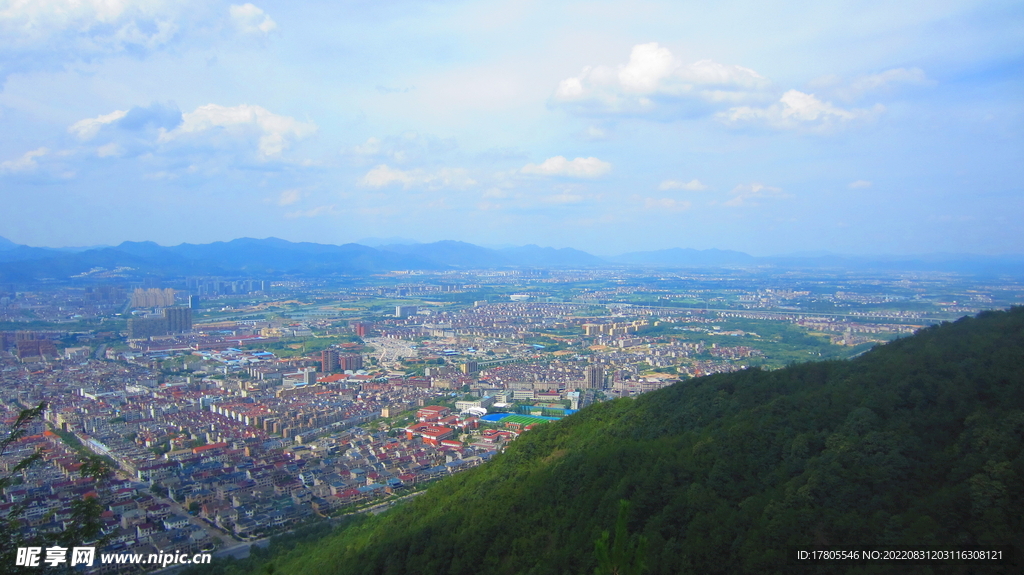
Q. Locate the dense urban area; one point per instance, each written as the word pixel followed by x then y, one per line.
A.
pixel 236 408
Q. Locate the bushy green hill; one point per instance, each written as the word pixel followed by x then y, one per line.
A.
pixel 918 442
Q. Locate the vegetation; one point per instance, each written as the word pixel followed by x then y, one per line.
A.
pixel 298 346
pixel 84 453
pixel 84 527
pixel 918 442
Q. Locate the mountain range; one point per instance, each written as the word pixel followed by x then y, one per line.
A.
pixel 277 257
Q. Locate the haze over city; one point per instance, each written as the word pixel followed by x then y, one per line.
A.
pixel 867 128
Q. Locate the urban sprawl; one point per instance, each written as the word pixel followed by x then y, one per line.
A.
pixel 232 409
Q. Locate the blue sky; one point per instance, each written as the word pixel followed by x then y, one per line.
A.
pixel 853 127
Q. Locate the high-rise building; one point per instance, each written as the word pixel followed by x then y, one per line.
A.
pixel 593 377
pixel 146 327
pixel 328 360
pixel 469 367
pixel 361 327
pixel 350 361
pixel 153 297
pixel 406 310
pixel 331 360
pixel 179 319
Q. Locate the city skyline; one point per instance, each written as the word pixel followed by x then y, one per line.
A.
pixel 610 128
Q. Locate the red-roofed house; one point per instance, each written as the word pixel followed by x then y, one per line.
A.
pixel 431 413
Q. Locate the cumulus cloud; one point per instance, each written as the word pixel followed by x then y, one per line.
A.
pixel 48 32
pixel 692 186
pixel 274 132
pixel 249 19
pixel 88 128
pixel 859 184
pixel 383 176
pixel 26 163
pixel 576 168
pixel 156 115
pixel 796 109
pixel 755 194
pixel 652 79
pixel 137 118
pixel 648 65
pixel 666 204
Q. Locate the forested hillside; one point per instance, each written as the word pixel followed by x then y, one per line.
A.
pixel 918 442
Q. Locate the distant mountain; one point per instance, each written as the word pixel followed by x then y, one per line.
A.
pixel 533 255
pixel 915 444
pixel 274 256
pixel 451 253
pixel 6 244
pixel 245 256
pixel 24 253
pixel 687 257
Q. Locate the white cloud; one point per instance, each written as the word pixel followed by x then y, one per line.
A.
pixel 382 176
pixel 654 79
pixel 577 168
pixel 648 65
pixel 728 78
pixel 26 163
pixel 753 194
pixel 289 197
pixel 666 204
pixel 76 28
pixel 251 20
pixel 317 211
pixel 691 186
pixel 88 128
pixel 275 133
pixel 859 184
pixel 796 109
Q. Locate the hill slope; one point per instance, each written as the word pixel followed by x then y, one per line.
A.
pixel 918 442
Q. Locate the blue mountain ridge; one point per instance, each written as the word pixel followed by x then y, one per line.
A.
pixel 275 256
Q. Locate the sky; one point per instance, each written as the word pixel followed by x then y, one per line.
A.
pixel 861 127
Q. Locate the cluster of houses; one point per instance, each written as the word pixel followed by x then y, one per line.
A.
pixel 132 520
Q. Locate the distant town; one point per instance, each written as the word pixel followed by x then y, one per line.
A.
pixel 233 408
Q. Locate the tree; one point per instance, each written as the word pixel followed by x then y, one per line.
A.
pixel 627 555
pixel 84 526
